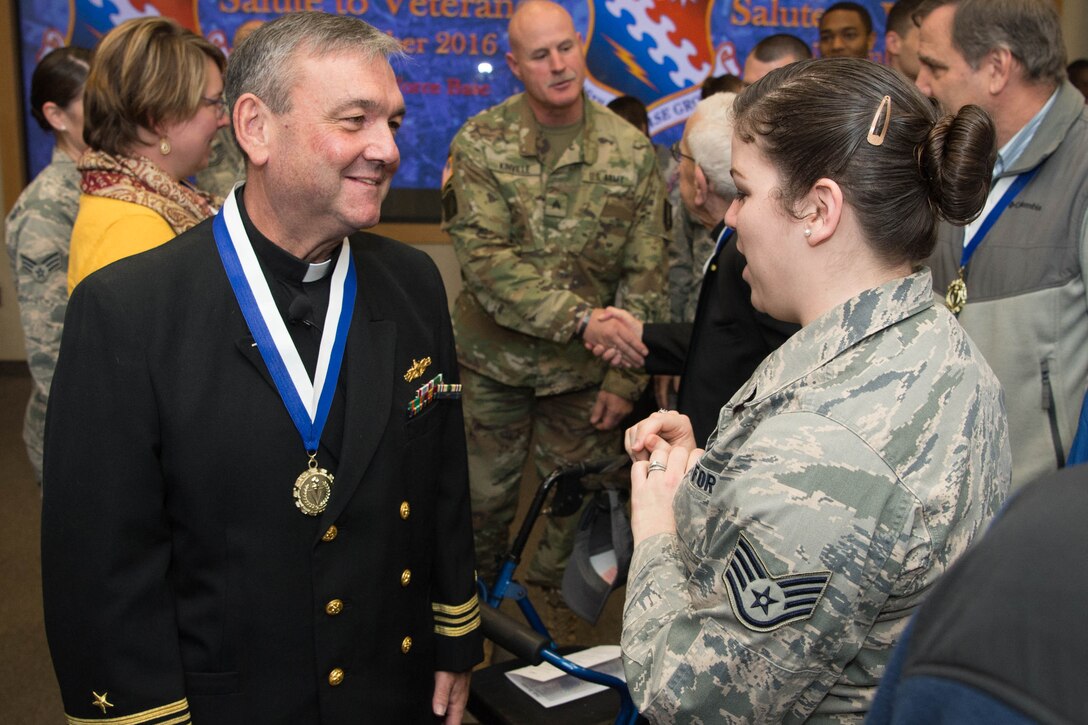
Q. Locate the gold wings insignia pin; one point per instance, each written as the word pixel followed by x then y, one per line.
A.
pixel 416 371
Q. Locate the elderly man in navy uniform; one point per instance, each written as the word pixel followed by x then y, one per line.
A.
pixel 256 501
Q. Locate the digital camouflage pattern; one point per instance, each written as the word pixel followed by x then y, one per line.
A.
pixel 226 165
pixel 539 247
pixel 39 230
pixel 858 462
pixel 691 247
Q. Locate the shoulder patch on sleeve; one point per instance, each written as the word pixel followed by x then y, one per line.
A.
pixel 763 602
pixel 449 203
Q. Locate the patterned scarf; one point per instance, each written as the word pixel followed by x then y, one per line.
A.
pixel 138 180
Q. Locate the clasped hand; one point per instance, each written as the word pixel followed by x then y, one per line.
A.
pixel 664 439
pixel 615 335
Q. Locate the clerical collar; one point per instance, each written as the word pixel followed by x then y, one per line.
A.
pixel 279 262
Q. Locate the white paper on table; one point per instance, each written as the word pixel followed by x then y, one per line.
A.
pixel 550 686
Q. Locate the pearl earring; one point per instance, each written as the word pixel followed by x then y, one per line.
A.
pixel 164 146
pixel 808 232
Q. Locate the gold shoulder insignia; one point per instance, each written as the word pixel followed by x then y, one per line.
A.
pixel 417 369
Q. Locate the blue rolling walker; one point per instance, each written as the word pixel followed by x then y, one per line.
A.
pixel 493 698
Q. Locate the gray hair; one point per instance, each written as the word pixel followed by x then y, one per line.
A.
pixel 264 64
pixel 1030 29
pixel 710 138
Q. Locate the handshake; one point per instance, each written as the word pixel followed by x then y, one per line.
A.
pixel 615 335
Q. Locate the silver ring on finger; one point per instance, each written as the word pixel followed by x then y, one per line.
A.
pixel 656 466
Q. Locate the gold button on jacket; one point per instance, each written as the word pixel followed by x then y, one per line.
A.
pixel 406 644
pixel 330 534
pixel 405 577
pixel 405 509
pixel 336 676
pixel 334 607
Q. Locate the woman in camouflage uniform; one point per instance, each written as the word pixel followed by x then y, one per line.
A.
pixel 774 572
pixel 39 228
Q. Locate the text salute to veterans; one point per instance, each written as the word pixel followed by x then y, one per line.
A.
pixel 256 502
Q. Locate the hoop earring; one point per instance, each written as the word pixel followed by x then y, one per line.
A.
pixel 164 146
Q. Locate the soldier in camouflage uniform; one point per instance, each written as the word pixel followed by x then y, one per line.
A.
pixel 556 210
pixel 774 572
pixel 39 229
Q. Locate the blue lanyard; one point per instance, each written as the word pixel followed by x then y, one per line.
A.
pixel 309 429
pixel 723 237
pixel 1015 188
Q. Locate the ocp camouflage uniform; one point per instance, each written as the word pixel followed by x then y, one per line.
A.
pixel 226 165
pixel 39 229
pixel 858 462
pixel 690 246
pixel 539 247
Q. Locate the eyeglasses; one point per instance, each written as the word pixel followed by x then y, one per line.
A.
pixel 219 104
pixel 677 154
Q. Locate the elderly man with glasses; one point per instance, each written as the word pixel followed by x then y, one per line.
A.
pixel 717 352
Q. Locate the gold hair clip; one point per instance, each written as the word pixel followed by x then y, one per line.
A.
pixel 876 139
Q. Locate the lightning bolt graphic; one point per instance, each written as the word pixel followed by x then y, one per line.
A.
pixel 629 60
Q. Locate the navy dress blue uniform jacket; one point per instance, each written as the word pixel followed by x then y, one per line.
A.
pixel 179 578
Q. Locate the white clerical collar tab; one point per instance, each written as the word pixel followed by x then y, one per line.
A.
pixel 318 270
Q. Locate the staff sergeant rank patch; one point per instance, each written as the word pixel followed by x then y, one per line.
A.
pixel 763 602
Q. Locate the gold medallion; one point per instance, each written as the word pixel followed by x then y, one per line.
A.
pixel 313 488
pixel 956 297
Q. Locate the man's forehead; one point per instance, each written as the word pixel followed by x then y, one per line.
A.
pixel 842 19
pixel 935 33
pixel 533 41
pixel 936 27
pixel 349 78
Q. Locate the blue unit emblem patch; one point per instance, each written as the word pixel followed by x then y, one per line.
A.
pixel 763 602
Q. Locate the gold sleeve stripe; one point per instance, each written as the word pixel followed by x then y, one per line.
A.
pixel 455 611
pixel 460 619
pixel 457 631
pixel 151 717
pixel 180 720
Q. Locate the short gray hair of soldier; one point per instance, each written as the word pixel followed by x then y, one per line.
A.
pixel 710 140
pixel 264 64
pixel 1030 29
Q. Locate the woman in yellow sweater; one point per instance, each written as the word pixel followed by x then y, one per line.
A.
pixel 153 103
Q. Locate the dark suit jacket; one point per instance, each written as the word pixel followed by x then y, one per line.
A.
pixel 178 574
pixel 720 350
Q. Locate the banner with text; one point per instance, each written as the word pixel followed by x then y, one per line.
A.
pixel 657 50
